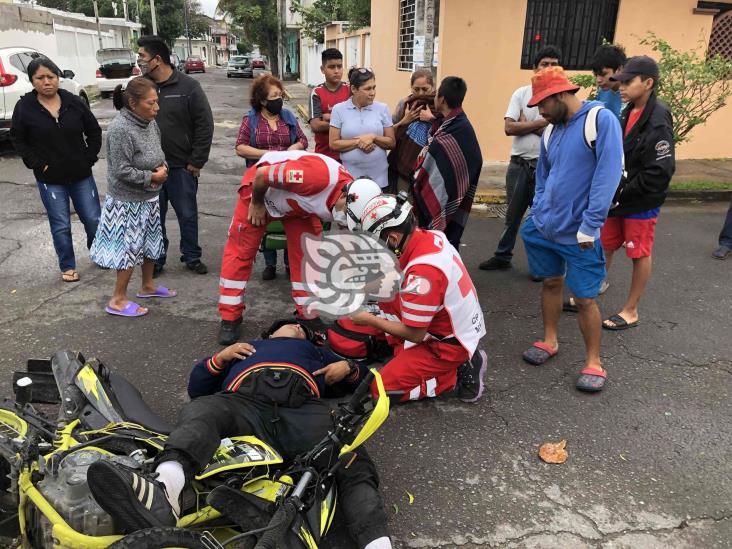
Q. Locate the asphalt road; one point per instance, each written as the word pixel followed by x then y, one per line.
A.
pixel 650 457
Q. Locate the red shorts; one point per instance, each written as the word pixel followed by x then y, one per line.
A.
pixel 637 234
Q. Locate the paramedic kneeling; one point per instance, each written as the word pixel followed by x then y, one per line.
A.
pixel 436 319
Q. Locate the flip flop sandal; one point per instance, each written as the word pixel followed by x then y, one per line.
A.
pixel 620 323
pixel 570 306
pixel 539 353
pixel 591 380
pixel 131 310
pixel 70 276
pixel 160 291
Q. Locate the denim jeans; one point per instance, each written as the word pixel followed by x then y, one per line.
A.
pixel 180 190
pixel 270 258
pixel 85 198
pixel 725 237
pixel 520 183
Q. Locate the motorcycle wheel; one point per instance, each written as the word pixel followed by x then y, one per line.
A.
pixel 161 538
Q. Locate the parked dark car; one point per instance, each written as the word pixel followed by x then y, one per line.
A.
pixel 116 66
pixel 258 64
pixel 176 61
pixel 239 65
pixel 194 64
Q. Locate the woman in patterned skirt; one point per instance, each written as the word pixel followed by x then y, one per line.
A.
pixel 129 232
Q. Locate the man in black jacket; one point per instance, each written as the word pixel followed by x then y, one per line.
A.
pixel 186 129
pixel 649 163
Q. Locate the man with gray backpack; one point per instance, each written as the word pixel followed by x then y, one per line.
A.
pixel 577 175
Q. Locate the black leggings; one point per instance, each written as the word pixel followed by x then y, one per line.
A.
pixel 204 421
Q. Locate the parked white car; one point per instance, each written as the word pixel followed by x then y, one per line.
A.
pixel 116 66
pixel 14 82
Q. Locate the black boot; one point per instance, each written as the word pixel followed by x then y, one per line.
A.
pixel 229 331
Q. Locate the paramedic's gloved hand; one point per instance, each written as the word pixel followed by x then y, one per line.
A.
pixel 334 372
pixel 237 351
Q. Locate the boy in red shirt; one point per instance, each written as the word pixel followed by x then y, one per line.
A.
pixel 649 163
pixel 324 97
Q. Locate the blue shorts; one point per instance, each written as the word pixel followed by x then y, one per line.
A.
pixel 584 269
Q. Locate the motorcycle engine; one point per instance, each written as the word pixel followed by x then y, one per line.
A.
pixel 68 493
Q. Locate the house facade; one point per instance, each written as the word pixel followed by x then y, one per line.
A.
pixel 490 44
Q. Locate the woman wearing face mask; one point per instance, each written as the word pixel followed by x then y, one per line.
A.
pixel 268 126
pixel 129 232
pixel 59 139
pixel 361 129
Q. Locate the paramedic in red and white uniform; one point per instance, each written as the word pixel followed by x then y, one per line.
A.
pixel 301 189
pixel 436 320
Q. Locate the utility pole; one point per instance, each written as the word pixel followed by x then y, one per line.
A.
pixel 154 19
pixel 280 38
pixel 99 26
pixel 188 32
pixel 429 35
pixel 124 9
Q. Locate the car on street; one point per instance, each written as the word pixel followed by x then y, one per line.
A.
pixel 116 66
pixel 14 82
pixel 194 64
pixel 176 62
pixel 239 65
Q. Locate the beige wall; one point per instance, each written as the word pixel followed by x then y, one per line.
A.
pixel 481 42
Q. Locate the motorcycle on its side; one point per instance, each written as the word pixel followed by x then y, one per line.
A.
pixel 246 497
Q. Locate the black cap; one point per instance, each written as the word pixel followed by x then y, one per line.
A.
pixel 638 65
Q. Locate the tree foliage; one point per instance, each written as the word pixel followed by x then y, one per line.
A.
pixel 694 84
pixel 259 18
pixel 322 12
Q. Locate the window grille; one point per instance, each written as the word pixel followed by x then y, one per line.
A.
pixel 720 42
pixel 407 19
pixel 578 27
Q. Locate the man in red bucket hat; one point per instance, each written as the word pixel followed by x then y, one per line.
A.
pixel 579 168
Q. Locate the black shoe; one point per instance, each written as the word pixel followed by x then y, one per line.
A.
pixel 470 377
pixel 495 264
pixel 157 270
pixel 721 253
pixel 135 500
pixel 229 331
pixel 269 272
pixel 198 267
pixel 535 278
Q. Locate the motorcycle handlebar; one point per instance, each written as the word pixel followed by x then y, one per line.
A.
pixel 361 392
pixel 280 522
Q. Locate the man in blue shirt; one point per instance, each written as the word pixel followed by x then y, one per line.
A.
pixel 607 62
pixel 575 185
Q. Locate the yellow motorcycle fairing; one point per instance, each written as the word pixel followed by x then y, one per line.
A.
pixel 378 416
pixel 245 451
pixel 87 381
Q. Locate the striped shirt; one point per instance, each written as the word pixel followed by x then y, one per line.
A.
pixel 266 138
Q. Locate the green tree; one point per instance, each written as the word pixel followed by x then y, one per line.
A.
pixel 259 18
pixel 315 17
pixel 694 84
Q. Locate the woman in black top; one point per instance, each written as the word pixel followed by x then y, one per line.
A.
pixel 59 139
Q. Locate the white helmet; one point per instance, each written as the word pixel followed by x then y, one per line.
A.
pixel 359 193
pixel 385 211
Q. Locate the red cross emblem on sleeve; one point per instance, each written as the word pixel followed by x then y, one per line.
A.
pixel 294 176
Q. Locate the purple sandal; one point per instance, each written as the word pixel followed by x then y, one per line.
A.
pixel 160 291
pixel 130 310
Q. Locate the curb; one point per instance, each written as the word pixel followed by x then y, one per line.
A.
pixel 499 197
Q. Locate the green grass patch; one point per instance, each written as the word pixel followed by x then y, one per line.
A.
pixel 701 185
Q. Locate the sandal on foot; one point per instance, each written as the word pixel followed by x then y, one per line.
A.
pixel 539 353
pixel 591 380
pixel 131 309
pixel 160 291
pixel 570 306
pixel 70 276
pixel 619 323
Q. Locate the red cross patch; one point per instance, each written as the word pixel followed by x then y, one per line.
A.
pixel 294 176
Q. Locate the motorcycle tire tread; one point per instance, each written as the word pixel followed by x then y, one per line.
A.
pixel 160 537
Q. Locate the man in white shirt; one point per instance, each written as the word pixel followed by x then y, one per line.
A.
pixel 525 125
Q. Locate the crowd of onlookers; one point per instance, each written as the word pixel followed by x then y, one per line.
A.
pixel 614 158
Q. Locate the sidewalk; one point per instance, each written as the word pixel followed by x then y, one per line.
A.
pixel 491 185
